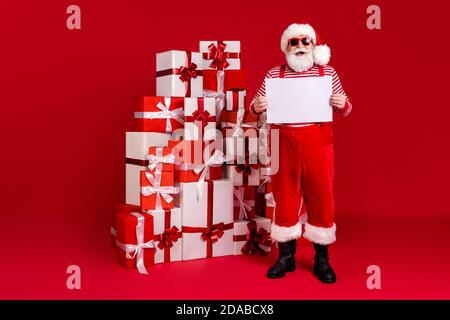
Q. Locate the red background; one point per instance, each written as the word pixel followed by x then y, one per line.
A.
pixel 67 99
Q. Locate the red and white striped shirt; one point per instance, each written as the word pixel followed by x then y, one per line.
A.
pixel 328 71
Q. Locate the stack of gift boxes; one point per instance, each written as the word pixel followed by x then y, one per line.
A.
pixel 192 170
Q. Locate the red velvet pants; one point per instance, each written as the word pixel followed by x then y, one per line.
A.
pixel 306 166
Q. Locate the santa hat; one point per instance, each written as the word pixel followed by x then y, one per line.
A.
pixel 321 52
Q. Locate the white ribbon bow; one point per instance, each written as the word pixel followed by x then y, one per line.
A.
pixel 156 161
pixel 216 159
pixel 161 191
pixel 244 205
pixel 270 200
pixel 165 113
pixel 137 250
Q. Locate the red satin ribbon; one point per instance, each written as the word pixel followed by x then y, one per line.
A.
pixel 200 117
pixel 255 238
pixel 137 162
pixel 235 100
pixel 168 237
pixel 246 170
pixel 218 55
pixel 213 232
pixel 187 72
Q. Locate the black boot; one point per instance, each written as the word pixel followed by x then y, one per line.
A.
pixel 286 260
pixel 322 267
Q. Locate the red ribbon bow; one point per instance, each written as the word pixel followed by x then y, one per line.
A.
pixel 189 72
pixel 168 237
pixel 218 55
pixel 200 116
pixel 214 233
pixel 255 239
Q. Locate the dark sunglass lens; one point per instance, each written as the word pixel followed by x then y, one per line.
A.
pixel 294 42
pixel 306 41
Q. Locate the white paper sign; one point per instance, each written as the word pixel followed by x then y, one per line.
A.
pixel 299 100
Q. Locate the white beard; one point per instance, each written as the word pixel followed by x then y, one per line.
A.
pixel 300 64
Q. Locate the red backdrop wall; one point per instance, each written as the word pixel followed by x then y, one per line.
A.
pixel 67 100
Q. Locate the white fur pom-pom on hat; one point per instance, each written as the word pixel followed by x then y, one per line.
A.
pixel 321 52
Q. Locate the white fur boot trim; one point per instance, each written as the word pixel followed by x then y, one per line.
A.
pixel 283 234
pixel 320 235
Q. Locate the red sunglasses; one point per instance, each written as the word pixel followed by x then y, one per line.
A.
pixel 306 41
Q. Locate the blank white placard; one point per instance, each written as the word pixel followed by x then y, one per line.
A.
pixel 299 100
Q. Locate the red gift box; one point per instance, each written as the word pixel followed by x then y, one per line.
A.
pixel 231 79
pixel 135 240
pixel 160 114
pixel 243 118
pixel 244 202
pixel 160 159
pixel 157 190
pixel 118 209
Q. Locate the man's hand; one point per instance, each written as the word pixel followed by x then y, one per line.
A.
pixel 337 100
pixel 260 104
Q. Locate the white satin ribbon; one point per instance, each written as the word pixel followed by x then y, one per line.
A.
pixel 156 161
pixel 216 159
pixel 219 95
pixel 165 113
pixel 137 250
pixel 244 205
pixel 270 200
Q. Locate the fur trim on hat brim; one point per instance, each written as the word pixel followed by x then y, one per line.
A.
pixel 320 235
pixel 283 234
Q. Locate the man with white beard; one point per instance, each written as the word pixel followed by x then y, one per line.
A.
pixel 306 164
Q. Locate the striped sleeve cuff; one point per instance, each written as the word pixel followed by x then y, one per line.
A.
pixel 346 110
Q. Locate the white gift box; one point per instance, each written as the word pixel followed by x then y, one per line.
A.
pixel 174 70
pixel 239 176
pixel 235 100
pixel 160 226
pixel 216 206
pixel 241 229
pixel 199 117
pixel 136 151
pixel 231 54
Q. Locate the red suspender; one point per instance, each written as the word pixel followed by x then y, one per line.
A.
pixel 321 72
pixel 282 68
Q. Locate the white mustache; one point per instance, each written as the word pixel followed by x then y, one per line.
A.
pixel 301 50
